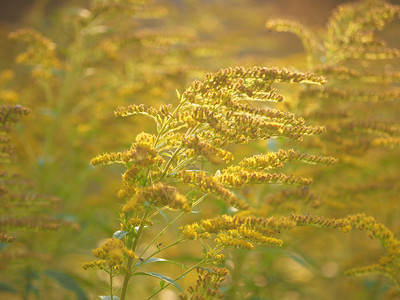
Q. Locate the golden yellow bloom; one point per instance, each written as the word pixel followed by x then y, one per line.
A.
pixel 238 177
pixel 274 160
pixel 212 185
pixel 231 242
pixel 111 256
pixel 207 285
pixel 157 195
pixel 213 154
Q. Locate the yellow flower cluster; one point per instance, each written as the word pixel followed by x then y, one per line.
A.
pixel 207 285
pixel 133 109
pixel 229 241
pixel 8 96
pixel 335 94
pixel 238 177
pixel 10 114
pixel 239 232
pixel 194 232
pixel 41 52
pixel 247 81
pixel 131 223
pixel 111 256
pixel 388 264
pixel 361 43
pixel 243 237
pixel 212 185
pixel 129 179
pixel 212 153
pixel 228 126
pixel 342 224
pixel 157 195
pixel 142 154
pixel 274 160
pixel 214 258
pixel 272 115
pixel 391 142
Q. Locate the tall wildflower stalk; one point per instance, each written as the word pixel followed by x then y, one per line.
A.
pixel 360 108
pixel 22 212
pixel 164 171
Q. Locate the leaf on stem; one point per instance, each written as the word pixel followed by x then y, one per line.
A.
pixel 162 277
pixel 120 234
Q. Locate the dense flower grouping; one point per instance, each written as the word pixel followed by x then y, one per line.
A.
pixel 359 107
pixel 211 114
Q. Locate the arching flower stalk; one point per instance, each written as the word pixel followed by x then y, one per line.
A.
pixel 166 170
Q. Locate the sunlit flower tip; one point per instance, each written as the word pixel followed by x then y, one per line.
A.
pixel 212 153
pixel 163 195
pixel 215 258
pixel 231 242
pixel 277 159
pixel 194 231
pixel 107 158
pixel 111 255
pixel 129 253
pixel 134 204
pixel 130 175
pixel 238 177
pixel 145 138
pixel 133 109
pixel 127 191
pixel 41 51
pixel 97 264
pixel 129 110
pixel 211 184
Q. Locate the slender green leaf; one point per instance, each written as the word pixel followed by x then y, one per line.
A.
pixel 156 259
pixel 207 269
pixel 165 217
pixel 162 277
pixel 67 282
pixel 120 234
pixel 203 247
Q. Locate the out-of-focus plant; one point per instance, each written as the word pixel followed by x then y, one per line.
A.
pixel 92 59
pixel 71 73
pixel 359 101
pixel 359 106
pixel 22 212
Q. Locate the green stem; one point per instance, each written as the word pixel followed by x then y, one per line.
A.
pixel 181 102
pixel 111 284
pixel 177 278
pixel 164 173
pixel 157 251
pixel 169 225
pixel 128 274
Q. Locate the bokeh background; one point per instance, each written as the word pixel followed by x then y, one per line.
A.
pixel 143 56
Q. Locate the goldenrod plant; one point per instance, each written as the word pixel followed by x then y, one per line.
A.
pixel 215 181
pixel 359 101
pixel 91 59
pixel 359 106
pixel 24 212
pixel 167 171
